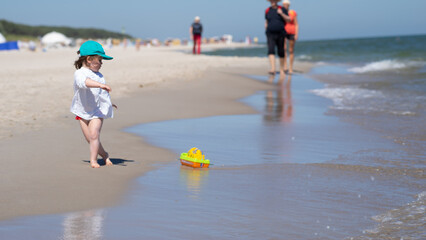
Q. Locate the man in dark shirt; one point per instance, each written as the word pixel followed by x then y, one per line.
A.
pixel 275 33
pixel 195 31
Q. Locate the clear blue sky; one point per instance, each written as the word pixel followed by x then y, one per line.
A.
pixel 325 19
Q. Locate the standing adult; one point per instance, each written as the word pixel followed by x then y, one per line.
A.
pixel 292 29
pixel 196 31
pixel 275 33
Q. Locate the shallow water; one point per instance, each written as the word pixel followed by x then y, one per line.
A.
pixel 289 172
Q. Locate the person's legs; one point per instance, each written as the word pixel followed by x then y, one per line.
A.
pixel 281 54
pixel 84 124
pixel 95 126
pixel 291 52
pixel 199 44
pixel 271 52
pixel 91 131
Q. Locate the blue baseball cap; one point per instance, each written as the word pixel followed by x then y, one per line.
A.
pixel 93 48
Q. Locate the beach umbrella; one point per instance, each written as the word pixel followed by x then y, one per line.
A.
pixel 2 38
pixel 55 39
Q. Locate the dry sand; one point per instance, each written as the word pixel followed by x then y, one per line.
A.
pixel 44 157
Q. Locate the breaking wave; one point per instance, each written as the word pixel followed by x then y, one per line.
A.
pixel 344 97
pixel 386 65
pixel 406 222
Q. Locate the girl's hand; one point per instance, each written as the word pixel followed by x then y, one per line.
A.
pixel 115 106
pixel 105 87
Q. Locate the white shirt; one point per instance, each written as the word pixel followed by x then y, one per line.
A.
pixel 90 103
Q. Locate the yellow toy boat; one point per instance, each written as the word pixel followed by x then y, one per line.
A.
pixel 194 158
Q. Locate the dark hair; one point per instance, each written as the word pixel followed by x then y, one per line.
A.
pixel 82 59
pixel 79 62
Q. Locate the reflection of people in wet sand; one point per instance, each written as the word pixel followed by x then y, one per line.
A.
pixel 275 33
pixel 292 34
pixel 83 225
pixel 279 108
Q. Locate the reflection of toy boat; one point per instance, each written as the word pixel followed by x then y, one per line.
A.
pixel 194 158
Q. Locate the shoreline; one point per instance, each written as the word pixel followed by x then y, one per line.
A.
pixel 46 169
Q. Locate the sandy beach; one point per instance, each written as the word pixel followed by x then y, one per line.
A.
pixel 45 158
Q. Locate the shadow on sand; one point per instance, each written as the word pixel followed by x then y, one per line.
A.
pixel 115 161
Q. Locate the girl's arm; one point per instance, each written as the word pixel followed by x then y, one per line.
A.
pixel 93 84
pixel 266 24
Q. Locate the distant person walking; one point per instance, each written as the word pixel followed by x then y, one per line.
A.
pixel 91 103
pixel 196 30
pixel 292 29
pixel 275 33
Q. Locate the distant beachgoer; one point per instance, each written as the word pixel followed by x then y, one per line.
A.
pixel 32 46
pixel 138 44
pixel 275 17
pixel 91 102
pixel 292 29
pixel 196 30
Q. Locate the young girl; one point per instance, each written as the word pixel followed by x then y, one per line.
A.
pixel 91 102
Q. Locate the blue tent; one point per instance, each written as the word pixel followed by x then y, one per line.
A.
pixel 12 45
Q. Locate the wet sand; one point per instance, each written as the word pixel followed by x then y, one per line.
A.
pixel 45 158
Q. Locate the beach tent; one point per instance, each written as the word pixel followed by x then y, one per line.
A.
pixel 2 39
pixel 12 45
pixel 4 45
pixel 55 39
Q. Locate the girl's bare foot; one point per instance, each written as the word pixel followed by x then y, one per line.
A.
pixel 108 161
pixel 94 164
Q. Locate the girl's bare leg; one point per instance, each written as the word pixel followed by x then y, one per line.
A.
pixel 91 131
pixel 95 126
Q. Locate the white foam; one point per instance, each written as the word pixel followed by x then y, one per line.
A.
pixel 355 98
pixel 344 97
pixel 304 57
pixel 408 219
pixel 385 65
pixel 403 113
